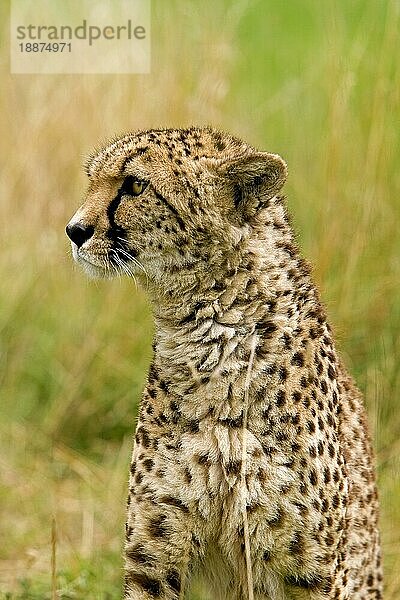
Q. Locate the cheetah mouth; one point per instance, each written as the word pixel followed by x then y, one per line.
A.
pixel 108 265
pixel 92 267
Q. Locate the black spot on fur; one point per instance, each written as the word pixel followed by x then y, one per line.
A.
pixel 164 385
pixel 174 406
pixel 267 555
pixel 188 319
pixel 174 581
pixel 296 544
pixel 277 520
pixel 146 440
pixel 303 509
pixel 237 196
pixel 193 426
pixel 204 459
pixel 138 152
pixel 287 341
pixel 298 359
pixel 310 426
pixel 234 423
pixel 153 374
pixel 139 555
pixel 174 502
pixel 266 329
pixel 313 477
pixel 218 141
pixel 233 467
pixel 324 386
pixel 177 216
pixel 148 464
pixel 148 584
pixel 128 531
pixel 157 527
pixel 311 581
pixel 296 395
pixel 280 398
pixel 283 373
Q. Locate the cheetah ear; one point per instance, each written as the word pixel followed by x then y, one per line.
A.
pixel 260 169
pixel 259 174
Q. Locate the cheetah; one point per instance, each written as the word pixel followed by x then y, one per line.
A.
pixel 252 465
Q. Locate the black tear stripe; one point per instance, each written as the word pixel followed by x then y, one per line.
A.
pixel 173 210
pixel 116 233
pixel 115 230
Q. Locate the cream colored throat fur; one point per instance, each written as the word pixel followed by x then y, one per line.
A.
pixel 252 465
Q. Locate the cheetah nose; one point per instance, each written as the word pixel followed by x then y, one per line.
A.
pixel 79 233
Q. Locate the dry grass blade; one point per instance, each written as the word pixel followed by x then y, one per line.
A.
pixel 53 559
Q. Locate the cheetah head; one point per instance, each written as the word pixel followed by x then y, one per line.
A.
pixel 165 200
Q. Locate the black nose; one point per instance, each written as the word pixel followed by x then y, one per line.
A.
pixel 79 233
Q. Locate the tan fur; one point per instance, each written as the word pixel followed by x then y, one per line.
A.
pixel 289 460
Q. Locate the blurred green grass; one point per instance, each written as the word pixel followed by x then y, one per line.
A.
pixel 317 82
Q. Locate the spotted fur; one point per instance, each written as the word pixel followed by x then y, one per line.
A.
pixel 210 238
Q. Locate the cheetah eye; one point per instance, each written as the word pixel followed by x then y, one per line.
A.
pixel 133 186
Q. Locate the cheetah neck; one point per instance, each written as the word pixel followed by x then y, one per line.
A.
pixel 203 339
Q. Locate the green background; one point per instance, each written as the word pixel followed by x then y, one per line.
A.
pixel 317 82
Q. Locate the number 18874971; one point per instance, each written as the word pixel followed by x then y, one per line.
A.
pixel 45 47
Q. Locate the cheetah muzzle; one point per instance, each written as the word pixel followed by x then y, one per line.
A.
pixel 252 465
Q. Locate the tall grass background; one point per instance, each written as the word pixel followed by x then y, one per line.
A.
pixel 317 82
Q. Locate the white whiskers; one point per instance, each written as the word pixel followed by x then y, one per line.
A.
pixel 120 267
pixel 120 250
